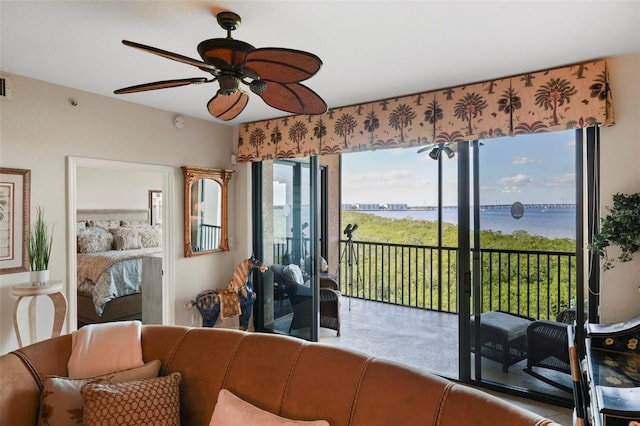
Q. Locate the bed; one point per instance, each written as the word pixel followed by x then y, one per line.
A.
pixel 110 247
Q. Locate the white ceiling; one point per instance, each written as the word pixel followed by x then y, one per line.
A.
pixel 370 49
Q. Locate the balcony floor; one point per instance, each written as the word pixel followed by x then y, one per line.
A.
pixel 428 341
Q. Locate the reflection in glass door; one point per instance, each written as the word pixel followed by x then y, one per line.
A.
pixel 523 218
pixel 289 217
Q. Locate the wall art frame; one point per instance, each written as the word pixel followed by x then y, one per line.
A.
pixel 15 205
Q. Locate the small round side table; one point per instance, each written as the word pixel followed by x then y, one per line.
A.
pixel 53 289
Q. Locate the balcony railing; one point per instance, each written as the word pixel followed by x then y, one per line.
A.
pixel 537 284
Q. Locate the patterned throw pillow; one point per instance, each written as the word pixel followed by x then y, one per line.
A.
pixel 231 410
pixel 150 236
pixel 134 222
pixel 125 238
pixel 107 224
pixel 62 402
pixel 140 402
pixel 94 239
pixel 81 225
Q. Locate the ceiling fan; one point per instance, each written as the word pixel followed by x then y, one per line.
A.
pixel 272 73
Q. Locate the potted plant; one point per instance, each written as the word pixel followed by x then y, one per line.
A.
pixel 620 227
pixel 40 242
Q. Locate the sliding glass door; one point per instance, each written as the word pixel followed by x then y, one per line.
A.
pixel 522 218
pixel 289 216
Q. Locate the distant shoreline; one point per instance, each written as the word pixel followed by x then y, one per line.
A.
pixel 545 222
pixel 403 207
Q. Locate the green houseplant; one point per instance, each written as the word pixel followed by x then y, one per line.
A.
pixel 620 227
pixel 40 242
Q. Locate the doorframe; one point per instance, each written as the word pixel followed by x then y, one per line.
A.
pixel 168 193
pixel 257 202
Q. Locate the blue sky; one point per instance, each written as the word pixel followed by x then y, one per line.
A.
pixel 531 169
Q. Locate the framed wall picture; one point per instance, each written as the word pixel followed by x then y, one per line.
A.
pixel 155 206
pixel 15 196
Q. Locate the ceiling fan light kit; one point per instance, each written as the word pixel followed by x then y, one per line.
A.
pixel 272 73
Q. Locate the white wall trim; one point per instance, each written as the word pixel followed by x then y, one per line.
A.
pixel 168 259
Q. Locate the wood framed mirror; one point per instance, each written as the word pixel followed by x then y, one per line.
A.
pixel 205 210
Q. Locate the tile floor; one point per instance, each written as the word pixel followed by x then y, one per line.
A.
pixel 428 341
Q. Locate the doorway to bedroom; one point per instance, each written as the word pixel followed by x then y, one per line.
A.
pixel 117 203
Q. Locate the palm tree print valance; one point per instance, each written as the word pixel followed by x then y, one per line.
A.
pixel 571 97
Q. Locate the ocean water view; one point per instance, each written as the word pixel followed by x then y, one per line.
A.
pixel 549 223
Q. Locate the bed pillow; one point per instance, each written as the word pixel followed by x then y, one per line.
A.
pixel 107 224
pixel 140 402
pixel 150 236
pixel 62 403
pixel 94 239
pixel 231 410
pixel 125 238
pixel 134 222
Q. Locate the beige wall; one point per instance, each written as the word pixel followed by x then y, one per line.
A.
pixel 620 172
pixel 39 129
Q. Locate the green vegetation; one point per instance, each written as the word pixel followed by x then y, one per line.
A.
pixel 620 227
pixel 374 228
pixel 400 265
pixel 40 242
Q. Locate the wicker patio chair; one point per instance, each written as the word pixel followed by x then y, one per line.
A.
pixel 330 304
pixel 300 299
pixel 547 347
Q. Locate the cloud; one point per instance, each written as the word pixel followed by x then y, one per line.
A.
pixel 379 177
pixel 521 161
pixel 400 179
pixel 515 180
pixel 568 180
pixel 514 183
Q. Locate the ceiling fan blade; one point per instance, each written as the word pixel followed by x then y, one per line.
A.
pixel 282 65
pixel 161 85
pixel 227 107
pixel 174 56
pixel 294 98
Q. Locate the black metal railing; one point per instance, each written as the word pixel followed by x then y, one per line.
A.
pixel 537 284
pixel 208 238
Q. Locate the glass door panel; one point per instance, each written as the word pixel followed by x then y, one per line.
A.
pixel 289 223
pixel 397 265
pixel 523 217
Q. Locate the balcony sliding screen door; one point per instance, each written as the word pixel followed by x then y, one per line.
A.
pixel 290 242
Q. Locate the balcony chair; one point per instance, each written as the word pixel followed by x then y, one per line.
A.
pixel 547 347
pixel 299 296
pixel 330 303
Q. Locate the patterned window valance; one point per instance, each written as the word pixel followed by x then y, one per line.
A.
pixel 571 97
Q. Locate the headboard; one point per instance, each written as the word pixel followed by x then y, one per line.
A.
pixel 99 215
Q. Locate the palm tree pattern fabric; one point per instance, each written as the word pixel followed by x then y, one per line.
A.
pixel 564 98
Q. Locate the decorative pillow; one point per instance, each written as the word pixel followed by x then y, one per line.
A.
pixel 94 239
pixel 98 349
pixel 134 222
pixel 125 238
pixel 107 224
pixel 139 402
pixel 294 272
pixel 62 402
pixel 150 236
pixel 80 226
pixel 233 411
pixel 324 266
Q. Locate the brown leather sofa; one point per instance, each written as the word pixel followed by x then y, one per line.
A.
pixel 283 375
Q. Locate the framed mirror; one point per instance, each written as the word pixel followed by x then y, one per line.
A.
pixel 205 210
